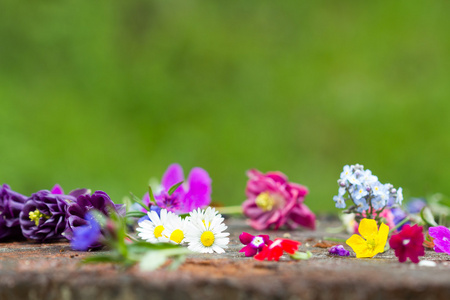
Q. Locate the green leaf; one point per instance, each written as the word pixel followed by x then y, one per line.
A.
pixel 150 194
pixel 103 259
pixel 174 187
pixel 177 261
pixel 301 255
pixel 141 246
pixel 139 201
pixel 427 216
pixel 152 261
pixel 135 214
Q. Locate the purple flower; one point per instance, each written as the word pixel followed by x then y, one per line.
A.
pixel 253 244
pixel 339 250
pixel 415 205
pixel 399 215
pixel 272 201
pixel 441 237
pixel 86 235
pixel 11 204
pixel 196 193
pixel 43 216
pixel 77 211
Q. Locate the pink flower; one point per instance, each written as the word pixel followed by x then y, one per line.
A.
pixel 272 201
pixel 275 250
pixel 254 244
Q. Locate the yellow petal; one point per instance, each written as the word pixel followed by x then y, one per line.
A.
pixel 367 227
pixel 382 238
pixel 357 243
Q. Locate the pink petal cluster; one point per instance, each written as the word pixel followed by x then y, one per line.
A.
pixel 272 202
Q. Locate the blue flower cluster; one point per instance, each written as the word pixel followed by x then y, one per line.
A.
pixel 365 191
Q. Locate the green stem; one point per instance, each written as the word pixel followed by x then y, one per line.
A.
pixel 230 210
pixel 334 239
pixel 399 225
pixel 132 238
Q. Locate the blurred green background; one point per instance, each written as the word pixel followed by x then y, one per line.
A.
pixel 106 94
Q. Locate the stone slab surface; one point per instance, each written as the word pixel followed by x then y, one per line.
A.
pixel 53 271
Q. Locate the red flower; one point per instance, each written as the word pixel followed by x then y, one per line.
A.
pixel 408 243
pixel 275 250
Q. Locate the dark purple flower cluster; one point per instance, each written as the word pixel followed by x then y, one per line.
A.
pixel 11 204
pixel 51 215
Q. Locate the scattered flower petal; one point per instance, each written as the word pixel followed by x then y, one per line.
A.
pixel 339 250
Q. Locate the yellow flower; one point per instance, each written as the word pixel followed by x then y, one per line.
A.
pixel 374 240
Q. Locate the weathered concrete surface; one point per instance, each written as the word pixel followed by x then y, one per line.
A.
pixel 53 271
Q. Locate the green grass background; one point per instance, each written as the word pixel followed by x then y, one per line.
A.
pixel 106 94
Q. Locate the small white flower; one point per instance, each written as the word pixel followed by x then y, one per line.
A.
pixel 151 231
pixel 205 232
pixel 174 230
pixel 349 222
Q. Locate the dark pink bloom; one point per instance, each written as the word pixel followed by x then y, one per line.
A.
pixel 254 244
pixel 441 237
pixel 275 249
pixel 193 194
pixel 272 202
pixel 408 243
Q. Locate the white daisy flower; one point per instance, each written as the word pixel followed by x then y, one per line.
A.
pixel 206 215
pixel 205 232
pixel 151 231
pixel 174 230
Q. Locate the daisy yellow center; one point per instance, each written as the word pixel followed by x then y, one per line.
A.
pixel 158 231
pixel 177 236
pixel 265 201
pixel 36 215
pixel 207 238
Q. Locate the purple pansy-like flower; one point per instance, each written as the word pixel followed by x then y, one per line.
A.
pixel 196 193
pixel 273 201
pixel 77 211
pixel 441 237
pixel 339 250
pixel 43 216
pixel 11 204
pixel 86 235
pixel 253 244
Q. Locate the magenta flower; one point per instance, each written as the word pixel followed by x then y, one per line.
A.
pixel 253 244
pixel 441 237
pixel 408 243
pixel 272 202
pixel 196 193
